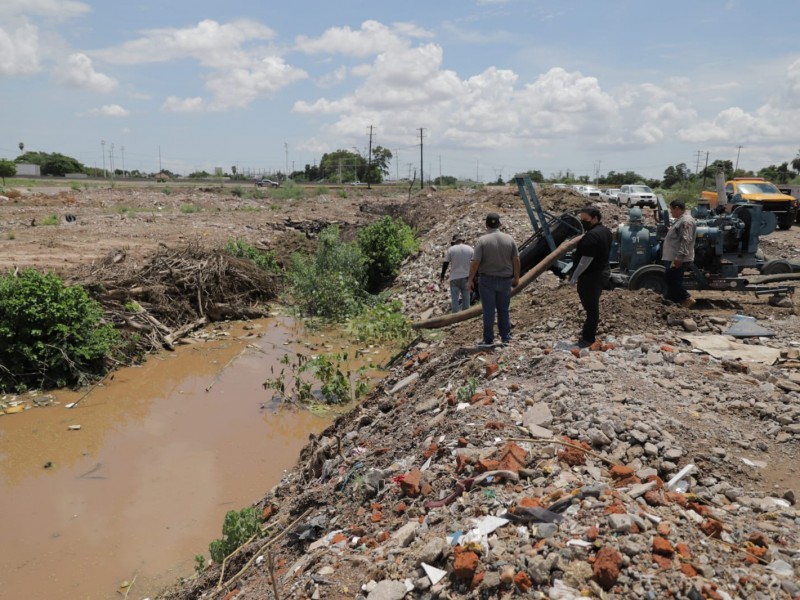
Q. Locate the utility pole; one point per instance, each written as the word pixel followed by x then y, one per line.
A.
pixel 699 153
pixel 122 149
pixel 705 170
pixel 111 160
pixel 103 152
pixel 286 149
pixel 736 168
pixel 369 161
pixel 421 173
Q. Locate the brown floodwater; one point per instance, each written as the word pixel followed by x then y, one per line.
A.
pixel 144 484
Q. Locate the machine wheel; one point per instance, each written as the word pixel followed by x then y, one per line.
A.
pixel 785 221
pixel 776 267
pixel 648 277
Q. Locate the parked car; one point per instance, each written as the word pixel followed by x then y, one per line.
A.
pixel 592 192
pixel 611 195
pixel 267 183
pixel 560 186
pixel 636 195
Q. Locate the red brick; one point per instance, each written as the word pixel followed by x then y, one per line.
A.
pixel 607 563
pixel 382 536
pixel 487 464
pixel 522 581
pixel 677 498
pixel 688 570
pixel 477 579
pixel 462 442
pixel 267 513
pixel 662 561
pixel 376 516
pixel 666 348
pixel 621 472
pixel 575 352
pixel 653 498
pixel 358 531
pixel 339 537
pixel 712 528
pixel 425 488
pixel 462 460
pixel 527 502
pixel 572 456
pixel 495 425
pixel 596 347
pixel 683 550
pixel 607 347
pixel 423 356
pixel 492 369
pixel 410 483
pixel 512 458
pixel 232 594
pixel 710 591
pixel 434 448
pixel 400 508
pixel 465 564
pixel 663 529
pixel 592 533
pixel 662 546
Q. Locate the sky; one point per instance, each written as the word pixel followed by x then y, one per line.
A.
pixel 497 86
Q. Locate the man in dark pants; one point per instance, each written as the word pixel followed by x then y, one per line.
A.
pixel 677 252
pixel 591 270
pixel 496 260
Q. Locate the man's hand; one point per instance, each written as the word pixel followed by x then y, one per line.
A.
pixel 471 284
pixel 677 262
pixel 514 282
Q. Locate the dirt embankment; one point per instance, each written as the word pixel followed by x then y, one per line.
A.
pixel 528 470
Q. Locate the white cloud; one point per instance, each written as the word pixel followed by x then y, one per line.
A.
pixel 78 72
pixel 333 78
pixel 109 110
pixel 175 104
pixel 238 72
pixel 60 9
pixel 372 38
pixel 213 44
pixel 19 50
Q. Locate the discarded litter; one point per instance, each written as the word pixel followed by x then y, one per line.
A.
pixel 673 483
pixel 74 427
pixel 434 574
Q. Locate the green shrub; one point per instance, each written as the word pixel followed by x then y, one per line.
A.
pixel 385 244
pixel 262 259
pixel 289 190
pixel 329 284
pixel 342 193
pixel 50 334
pixel 51 220
pixel 237 528
pixel 75 186
pixel 321 191
pixel 237 191
pixel 167 190
pixel 258 194
pixel 189 208
pixel 381 323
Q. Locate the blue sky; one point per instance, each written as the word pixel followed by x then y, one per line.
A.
pixel 499 86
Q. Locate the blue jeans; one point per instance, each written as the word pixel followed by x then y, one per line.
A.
pixel 495 296
pixel 459 294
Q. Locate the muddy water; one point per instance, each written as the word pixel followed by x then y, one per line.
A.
pixel 145 483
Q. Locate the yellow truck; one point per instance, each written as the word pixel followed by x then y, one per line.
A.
pixel 761 191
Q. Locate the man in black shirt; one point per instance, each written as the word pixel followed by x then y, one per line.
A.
pixel 591 269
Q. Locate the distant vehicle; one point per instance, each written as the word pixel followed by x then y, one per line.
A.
pixel 756 189
pixel 592 192
pixel 267 183
pixel 356 182
pixel 636 195
pixel 611 195
pixel 560 186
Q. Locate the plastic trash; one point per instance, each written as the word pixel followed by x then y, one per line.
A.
pixel 673 483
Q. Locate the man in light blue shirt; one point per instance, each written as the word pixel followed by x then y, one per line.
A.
pixel 458 257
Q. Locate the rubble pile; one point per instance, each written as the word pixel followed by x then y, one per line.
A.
pixel 642 468
pixel 545 473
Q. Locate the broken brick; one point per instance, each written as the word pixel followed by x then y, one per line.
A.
pixel 410 483
pixel 462 460
pixel 423 356
pixel 358 531
pixel 465 564
pixel 495 425
pixel 462 442
pixel 487 464
pixel 621 472
pixel 232 594
pixel 400 508
pixel 492 369
pixel 512 458
pixel 683 550
pixel 596 347
pixel 711 527
pixel 376 516
pixel 434 448
pixel 527 502
pixel 663 529
pixel 607 563
pixel 688 570
pixel 653 498
pixel 267 513
pixel 425 488
pixel 339 537
pixel 677 498
pixel 607 347
pixel 572 456
pixel 592 533
pixel 662 546
pixel 522 581
pixel 662 561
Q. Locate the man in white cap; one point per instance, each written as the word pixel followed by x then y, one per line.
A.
pixel 458 257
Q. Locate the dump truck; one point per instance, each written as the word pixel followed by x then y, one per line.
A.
pixel 759 191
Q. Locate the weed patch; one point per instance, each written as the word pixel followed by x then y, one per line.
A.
pixel 238 527
pixel 263 259
pixel 51 220
pixel 189 209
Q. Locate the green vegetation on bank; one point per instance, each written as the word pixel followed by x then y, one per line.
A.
pixel 51 335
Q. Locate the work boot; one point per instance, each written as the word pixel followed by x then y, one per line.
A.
pixel 689 302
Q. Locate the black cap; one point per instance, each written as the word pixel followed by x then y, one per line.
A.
pixel 493 220
pixel 678 204
pixel 457 237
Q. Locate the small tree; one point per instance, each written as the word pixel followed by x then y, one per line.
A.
pixel 7 169
pixel 385 244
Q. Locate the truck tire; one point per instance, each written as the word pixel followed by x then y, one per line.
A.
pixel 785 220
pixel 776 267
pixel 648 277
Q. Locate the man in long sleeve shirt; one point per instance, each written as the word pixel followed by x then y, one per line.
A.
pixel 677 253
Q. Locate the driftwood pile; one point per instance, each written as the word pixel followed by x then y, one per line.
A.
pixel 177 291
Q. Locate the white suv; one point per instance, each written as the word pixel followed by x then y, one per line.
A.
pixel 636 195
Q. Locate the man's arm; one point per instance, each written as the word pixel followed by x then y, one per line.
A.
pixel 686 234
pixel 473 270
pixel 583 264
pixel 516 264
pixel 444 270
